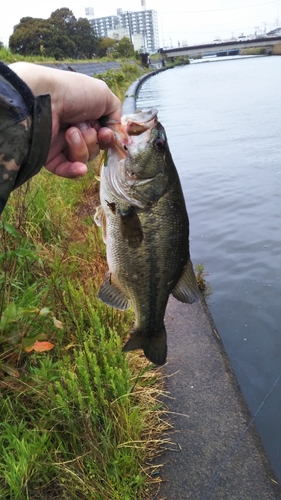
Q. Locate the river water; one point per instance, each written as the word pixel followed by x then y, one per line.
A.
pixel 223 123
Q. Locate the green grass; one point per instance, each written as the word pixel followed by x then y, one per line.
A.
pixel 277 49
pixel 254 51
pixel 82 419
pixel 117 79
pixel 8 57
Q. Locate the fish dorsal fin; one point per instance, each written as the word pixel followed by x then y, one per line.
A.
pixel 110 294
pixel 186 289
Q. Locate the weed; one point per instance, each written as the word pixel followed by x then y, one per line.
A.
pixel 276 49
pixel 118 80
pixel 201 281
pixel 254 51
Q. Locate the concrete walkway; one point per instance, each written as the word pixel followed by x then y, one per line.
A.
pixel 89 69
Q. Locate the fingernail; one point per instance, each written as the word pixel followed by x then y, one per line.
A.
pixel 75 137
pixel 83 126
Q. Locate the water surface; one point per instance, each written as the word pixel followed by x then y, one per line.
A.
pixel 223 123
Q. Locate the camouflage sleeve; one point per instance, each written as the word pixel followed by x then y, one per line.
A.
pixel 25 132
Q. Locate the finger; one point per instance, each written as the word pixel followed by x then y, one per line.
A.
pixel 77 149
pixel 106 138
pixel 90 138
pixel 61 166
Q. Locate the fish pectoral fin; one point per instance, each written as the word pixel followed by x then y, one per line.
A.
pixel 110 294
pixel 154 347
pixel 100 220
pixel 98 215
pixel 186 289
pixel 130 227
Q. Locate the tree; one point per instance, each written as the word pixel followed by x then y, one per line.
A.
pixel 85 39
pixel 34 36
pixel 106 45
pixel 61 36
pixel 64 20
pixel 125 48
pixel 30 35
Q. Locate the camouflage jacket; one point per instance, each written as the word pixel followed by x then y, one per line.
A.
pixel 25 132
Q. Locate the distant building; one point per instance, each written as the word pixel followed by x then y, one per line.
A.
pixel 103 24
pixel 143 23
pixel 118 32
pixel 89 11
pixel 138 42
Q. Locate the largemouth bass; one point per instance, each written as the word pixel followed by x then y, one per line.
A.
pixel 146 231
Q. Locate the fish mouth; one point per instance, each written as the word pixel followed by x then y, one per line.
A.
pixel 132 135
pixel 146 120
pixel 134 124
pixel 138 124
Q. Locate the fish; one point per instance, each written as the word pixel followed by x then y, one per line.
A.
pixel 145 228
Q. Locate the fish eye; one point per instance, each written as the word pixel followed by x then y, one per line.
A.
pixel 159 144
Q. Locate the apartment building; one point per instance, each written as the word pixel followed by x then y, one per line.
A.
pixel 144 23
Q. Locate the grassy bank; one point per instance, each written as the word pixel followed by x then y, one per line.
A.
pixel 79 419
pixel 9 57
pixel 256 51
pixel 119 80
pixel 253 51
pixel 277 49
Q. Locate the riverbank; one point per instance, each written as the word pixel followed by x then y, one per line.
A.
pixel 215 450
pixel 277 50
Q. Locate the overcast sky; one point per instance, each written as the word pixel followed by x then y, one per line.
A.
pixel 179 20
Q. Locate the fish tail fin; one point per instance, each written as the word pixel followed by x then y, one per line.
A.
pixel 154 347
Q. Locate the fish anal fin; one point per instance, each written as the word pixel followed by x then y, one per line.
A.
pixel 112 295
pixel 186 289
pixel 130 227
pixel 154 347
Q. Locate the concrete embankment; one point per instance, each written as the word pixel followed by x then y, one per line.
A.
pixel 215 451
pixel 89 69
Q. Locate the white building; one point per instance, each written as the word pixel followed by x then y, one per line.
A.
pixel 118 33
pixel 103 24
pixel 89 11
pixel 144 23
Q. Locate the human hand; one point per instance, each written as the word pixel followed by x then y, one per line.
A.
pixel 78 101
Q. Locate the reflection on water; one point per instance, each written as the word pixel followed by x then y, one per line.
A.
pixel 223 124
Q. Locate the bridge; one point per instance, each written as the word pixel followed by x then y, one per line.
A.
pixel 232 47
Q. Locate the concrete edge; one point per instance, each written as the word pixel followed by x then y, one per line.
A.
pixel 129 104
